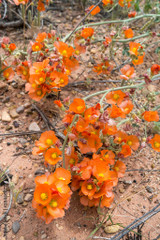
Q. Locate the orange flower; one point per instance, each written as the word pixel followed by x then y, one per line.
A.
pixel 52 156
pixel 106 2
pixel 120 137
pixel 81 125
pixel 155 142
pixel 58 103
pixel 42 212
pixel 63 175
pixel 79 47
pixel 107 41
pixel 12 46
pixel 128 72
pixel 155 69
pixel 133 142
pixel 115 97
pixel 45 179
pixel 87 202
pixel 87 32
pixel 38 67
pixel 134 48
pixel 42 194
pixel 151 116
pixel 38 78
pixel 46 140
pixel 91 115
pixel 132 14
pixel 59 79
pixel 108 156
pixel 110 130
pixel 126 151
pixel 37 47
pixel 126 106
pixel 95 10
pixel 105 189
pixel 77 106
pixel 122 3
pixel 17 2
pixel 72 158
pixel 64 49
pixel 8 74
pixel 40 6
pixel 23 70
pixel 68 119
pixel 120 168
pixel 88 188
pixel 41 37
pixel 70 63
pixel 90 144
pixel 35 91
pixel 55 212
pixel 129 33
pixel 62 187
pixel 106 201
pixel 101 170
pixel 115 112
pixel 138 60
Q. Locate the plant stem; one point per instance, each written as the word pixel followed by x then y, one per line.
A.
pixel 75 29
pixel 66 139
pixel 108 22
pixel 113 89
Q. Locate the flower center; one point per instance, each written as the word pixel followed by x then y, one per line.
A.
pixel 129 143
pixel 71 161
pixel 156 144
pixel 77 52
pixel 126 109
pixel 7 74
pixel 89 186
pixel 116 168
pixel 24 73
pixel 61 80
pixel 53 203
pixel 116 96
pixel 134 49
pixel 49 141
pixel 54 155
pixel 41 79
pixel 44 196
pixel 79 108
pixel 101 175
pixel 39 93
pixel 64 53
pixel 37 48
pixel 59 189
pixel 61 178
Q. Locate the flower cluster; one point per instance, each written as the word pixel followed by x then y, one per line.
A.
pixel 52 194
pixel 48 144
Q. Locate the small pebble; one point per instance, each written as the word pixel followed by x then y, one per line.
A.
pixel 28 197
pixel 43 236
pixel 149 189
pixel 15 124
pixel 34 127
pixel 20 109
pixel 15 227
pixel 5 116
pixel 20 198
pixel 13 113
